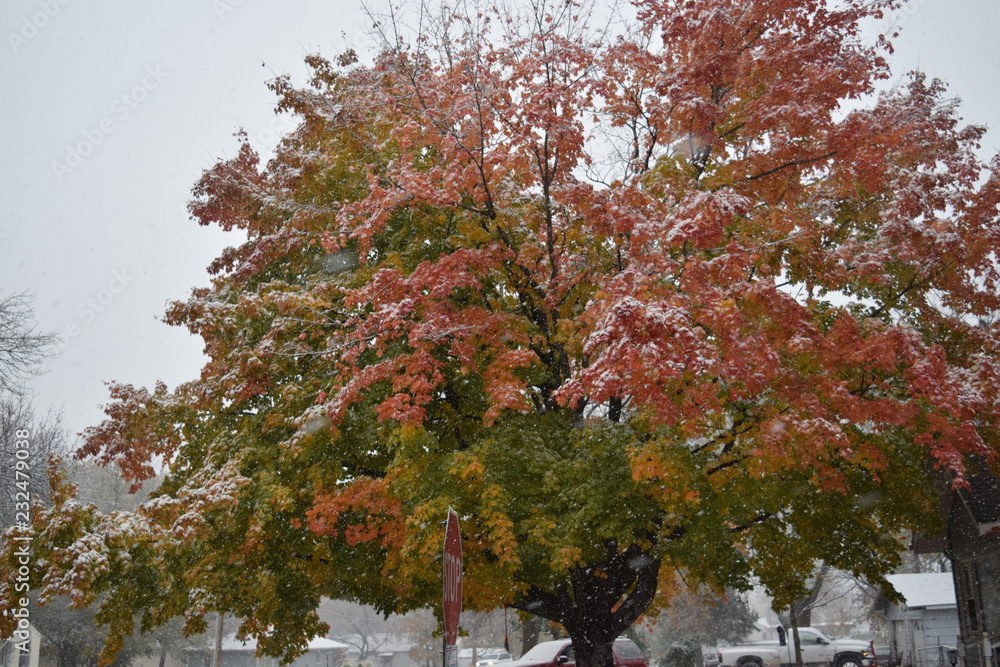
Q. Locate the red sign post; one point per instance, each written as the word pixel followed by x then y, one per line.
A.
pixel 452 588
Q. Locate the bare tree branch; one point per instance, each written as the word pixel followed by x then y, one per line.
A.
pixel 22 347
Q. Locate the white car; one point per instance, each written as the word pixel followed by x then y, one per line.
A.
pixel 817 649
pixel 490 657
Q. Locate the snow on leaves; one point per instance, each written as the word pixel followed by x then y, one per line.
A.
pixel 654 295
pixel 367 498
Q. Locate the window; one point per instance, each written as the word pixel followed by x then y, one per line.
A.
pixel 808 638
pixel 628 651
pixel 988 581
pixel 970 593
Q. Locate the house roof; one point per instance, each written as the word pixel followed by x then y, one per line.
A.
pixel 925 590
pixel 983 498
pixel 232 644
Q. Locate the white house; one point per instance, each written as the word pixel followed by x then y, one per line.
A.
pixel 15 652
pixel 925 626
pixel 234 653
pixel 383 650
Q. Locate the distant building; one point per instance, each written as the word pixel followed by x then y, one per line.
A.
pixel 20 652
pixel 763 631
pixel 321 653
pixel 923 630
pixel 972 542
pixel 383 650
pixel 974 547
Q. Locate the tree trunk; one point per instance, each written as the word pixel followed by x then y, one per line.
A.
pixel 529 631
pixel 217 652
pixel 800 611
pixel 795 640
pixel 593 654
pixel 600 602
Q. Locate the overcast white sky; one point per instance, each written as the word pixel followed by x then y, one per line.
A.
pixel 153 92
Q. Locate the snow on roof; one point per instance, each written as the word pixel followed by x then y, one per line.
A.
pixel 324 644
pixel 983 498
pixel 230 643
pixel 927 589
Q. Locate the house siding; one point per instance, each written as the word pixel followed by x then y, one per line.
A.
pixel 922 637
pixel 975 553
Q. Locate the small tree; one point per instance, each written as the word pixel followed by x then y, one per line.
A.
pixel 419 628
pixel 695 618
pixel 73 637
pixel 22 346
pixel 27 440
pixel 357 625
pixel 486 630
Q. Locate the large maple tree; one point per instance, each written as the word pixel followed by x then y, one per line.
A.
pixel 689 298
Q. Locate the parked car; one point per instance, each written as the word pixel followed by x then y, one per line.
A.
pixel 560 652
pixel 816 647
pixel 490 657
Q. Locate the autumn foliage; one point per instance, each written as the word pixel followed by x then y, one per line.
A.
pixel 683 293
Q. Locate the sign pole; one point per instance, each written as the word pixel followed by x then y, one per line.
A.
pixel 452 598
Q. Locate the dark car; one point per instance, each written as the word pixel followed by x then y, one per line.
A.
pixel 560 652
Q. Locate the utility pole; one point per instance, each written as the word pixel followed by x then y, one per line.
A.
pixel 217 653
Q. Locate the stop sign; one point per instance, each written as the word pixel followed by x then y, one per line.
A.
pixel 452 588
